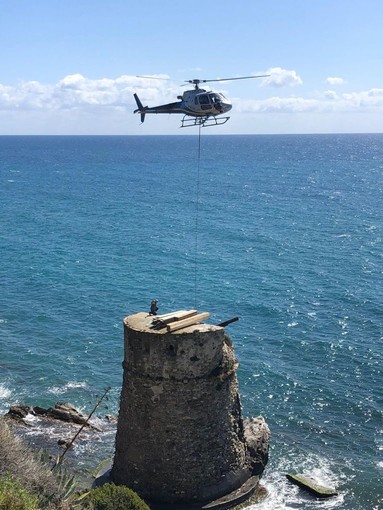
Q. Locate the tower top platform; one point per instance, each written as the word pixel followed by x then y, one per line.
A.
pixel 181 321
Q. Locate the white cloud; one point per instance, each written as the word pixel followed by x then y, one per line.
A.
pixel 83 105
pixel 77 91
pixel 25 96
pixel 330 94
pixel 365 101
pixel 281 77
pixel 334 80
pixel 375 92
pixel 368 99
pixel 73 81
pixel 279 104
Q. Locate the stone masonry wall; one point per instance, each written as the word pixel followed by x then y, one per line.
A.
pixel 180 433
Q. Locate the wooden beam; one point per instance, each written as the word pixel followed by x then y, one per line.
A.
pixel 170 314
pixel 187 322
pixel 176 316
pixel 226 323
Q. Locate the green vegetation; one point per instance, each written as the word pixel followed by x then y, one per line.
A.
pixel 115 497
pixel 19 463
pixel 27 482
pixel 13 496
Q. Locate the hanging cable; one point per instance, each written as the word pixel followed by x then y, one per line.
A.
pixel 197 218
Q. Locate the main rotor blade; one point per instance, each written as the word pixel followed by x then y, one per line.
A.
pixel 152 77
pixel 239 78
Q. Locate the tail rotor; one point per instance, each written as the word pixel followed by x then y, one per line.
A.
pixel 140 108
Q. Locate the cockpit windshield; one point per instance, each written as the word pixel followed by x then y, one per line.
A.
pixel 221 97
pixel 215 98
pixel 210 98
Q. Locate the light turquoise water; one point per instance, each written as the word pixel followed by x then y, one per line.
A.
pixel 288 237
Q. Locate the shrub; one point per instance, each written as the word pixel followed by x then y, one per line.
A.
pixel 21 463
pixel 13 496
pixel 115 497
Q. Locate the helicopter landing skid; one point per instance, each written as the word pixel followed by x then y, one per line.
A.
pixel 205 121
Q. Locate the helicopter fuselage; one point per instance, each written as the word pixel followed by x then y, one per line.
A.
pixel 199 102
pixel 200 107
pixel 196 103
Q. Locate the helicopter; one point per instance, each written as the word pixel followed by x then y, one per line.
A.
pixel 199 106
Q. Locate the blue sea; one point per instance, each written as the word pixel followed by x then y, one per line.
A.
pixel 283 231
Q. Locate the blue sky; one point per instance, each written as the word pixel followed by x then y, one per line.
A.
pixel 70 67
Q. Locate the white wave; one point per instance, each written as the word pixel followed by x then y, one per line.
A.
pixel 31 419
pixel 283 495
pixel 59 390
pixel 4 392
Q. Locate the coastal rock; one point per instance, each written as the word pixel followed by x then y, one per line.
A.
pixel 110 418
pixel 18 412
pixel 46 431
pixel 61 411
pixel 310 485
pixel 257 435
pixel 66 412
pixel 65 443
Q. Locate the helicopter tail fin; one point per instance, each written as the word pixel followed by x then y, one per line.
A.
pixel 140 108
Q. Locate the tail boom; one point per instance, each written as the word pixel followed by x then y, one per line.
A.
pixel 164 108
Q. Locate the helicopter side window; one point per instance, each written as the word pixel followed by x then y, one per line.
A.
pixel 204 101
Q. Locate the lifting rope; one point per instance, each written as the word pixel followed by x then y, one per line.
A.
pixel 197 218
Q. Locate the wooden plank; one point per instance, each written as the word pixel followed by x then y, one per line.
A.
pixel 179 316
pixel 187 322
pixel 160 322
pixel 170 314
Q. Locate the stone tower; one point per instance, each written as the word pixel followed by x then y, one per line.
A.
pixel 180 436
